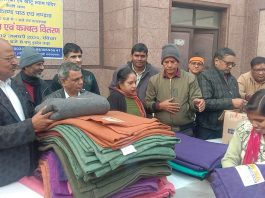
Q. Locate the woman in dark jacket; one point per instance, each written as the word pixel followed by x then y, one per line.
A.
pixel 124 95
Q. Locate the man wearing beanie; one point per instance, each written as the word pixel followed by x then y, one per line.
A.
pixel 196 65
pixel 174 94
pixel 31 64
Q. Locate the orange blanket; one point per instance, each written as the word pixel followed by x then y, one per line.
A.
pixel 116 129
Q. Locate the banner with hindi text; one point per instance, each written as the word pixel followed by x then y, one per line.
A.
pixel 36 23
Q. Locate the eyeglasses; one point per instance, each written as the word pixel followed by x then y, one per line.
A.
pixel 259 70
pixel 232 64
pixel 9 59
pixel 196 63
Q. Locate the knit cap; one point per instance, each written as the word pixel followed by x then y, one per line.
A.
pixel 169 50
pixel 29 56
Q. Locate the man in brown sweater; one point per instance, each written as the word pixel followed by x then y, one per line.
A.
pixel 253 80
pixel 174 94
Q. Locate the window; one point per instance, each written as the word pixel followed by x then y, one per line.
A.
pixel 194 17
pixel 206 18
pixel 182 16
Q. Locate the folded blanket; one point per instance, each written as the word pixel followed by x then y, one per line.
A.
pixel 199 154
pixel 113 182
pixel 58 188
pixel 140 187
pixel 85 104
pixel 77 144
pixel 165 189
pixel 123 129
pixel 226 183
pixel 200 174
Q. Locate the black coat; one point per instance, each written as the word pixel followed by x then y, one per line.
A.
pixel 117 101
pixel 44 87
pixel 18 156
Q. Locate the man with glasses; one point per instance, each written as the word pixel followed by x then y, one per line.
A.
pixel 29 78
pixel 18 151
pixel 220 92
pixel 253 80
pixel 196 65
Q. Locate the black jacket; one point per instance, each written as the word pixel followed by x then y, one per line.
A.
pixel 18 152
pixel 45 89
pixel 117 101
pixel 218 94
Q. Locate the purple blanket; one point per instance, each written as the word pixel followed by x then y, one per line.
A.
pixel 140 187
pixel 58 186
pixel 198 154
pixel 226 183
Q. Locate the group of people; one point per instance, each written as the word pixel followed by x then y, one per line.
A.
pixel 188 101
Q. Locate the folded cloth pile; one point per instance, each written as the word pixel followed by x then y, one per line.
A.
pixel 121 128
pixel 53 177
pixel 85 104
pixel 131 159
pixel 197 157
pixel 227 183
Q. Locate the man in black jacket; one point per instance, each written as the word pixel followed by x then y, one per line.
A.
pixel 73 53
pixel 32 65
pixel 220 92
pixel 18 157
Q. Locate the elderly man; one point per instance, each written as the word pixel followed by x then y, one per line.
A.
pixel 71 79
pixel 141 68
pixel 174 94
pixel 73 53
pixel 17 149
pixel 253 80
pixel 196 65
pixel 220 91
pixel 31 64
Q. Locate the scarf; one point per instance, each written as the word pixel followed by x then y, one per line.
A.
pixel 136 99
pixel 35 83
pixel 253 146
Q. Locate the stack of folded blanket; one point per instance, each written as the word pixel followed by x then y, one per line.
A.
pixel 227 183
pixel 111 155
pixel 197 157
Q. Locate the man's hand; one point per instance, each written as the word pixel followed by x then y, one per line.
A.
pixel 238 103
pixel 169 106
pixel 248 96
pixel 41 121
pixel 199 104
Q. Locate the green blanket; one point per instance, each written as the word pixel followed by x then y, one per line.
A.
pixel 199 174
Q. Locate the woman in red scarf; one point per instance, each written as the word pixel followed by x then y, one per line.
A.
pixel 124 96
pixel 247 145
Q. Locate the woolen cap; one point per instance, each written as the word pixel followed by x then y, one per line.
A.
pixel 29 56
pixel 169 50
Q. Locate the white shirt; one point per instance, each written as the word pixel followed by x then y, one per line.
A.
pixel 12 96
pixel 66 94
pixel 138 75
